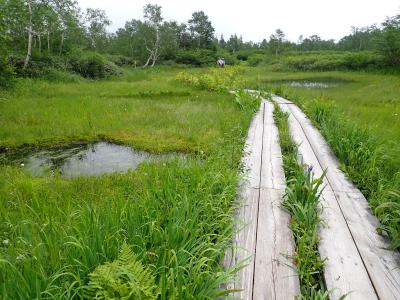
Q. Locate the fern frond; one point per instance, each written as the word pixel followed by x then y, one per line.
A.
pixel 125 278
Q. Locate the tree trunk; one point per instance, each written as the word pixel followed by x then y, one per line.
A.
pixel 40 43
pixel 155 56
pixel 148 60
pixel 62 43
pixel 30 36
pixel 156 48
pixel 48 41
pixel 153 52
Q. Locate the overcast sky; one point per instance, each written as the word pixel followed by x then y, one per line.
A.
pixel 257 19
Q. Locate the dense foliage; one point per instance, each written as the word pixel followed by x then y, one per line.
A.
pixel 35 33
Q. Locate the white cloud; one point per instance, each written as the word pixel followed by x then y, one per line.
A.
pixel 257 19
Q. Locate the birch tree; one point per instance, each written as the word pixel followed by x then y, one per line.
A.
pixel 151 32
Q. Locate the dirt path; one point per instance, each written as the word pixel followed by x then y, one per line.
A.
pixel 357 260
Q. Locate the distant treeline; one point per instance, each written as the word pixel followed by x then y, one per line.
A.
pixel 38 37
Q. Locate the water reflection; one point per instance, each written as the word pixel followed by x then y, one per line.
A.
pixel 89 159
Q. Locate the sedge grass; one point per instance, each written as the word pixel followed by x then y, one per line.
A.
pixel 302 201
pixel 175 215
pixel 359 117
pixel 371 164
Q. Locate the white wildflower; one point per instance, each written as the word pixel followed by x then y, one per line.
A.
pixel 20 257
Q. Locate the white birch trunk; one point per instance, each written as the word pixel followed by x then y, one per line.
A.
pixel 30 36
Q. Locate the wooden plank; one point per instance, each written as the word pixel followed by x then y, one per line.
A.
pixel 383 266
pixel 266 240
pixel 253 147
pixel 275 274
pixel 337 244
pixel 272 174
pixel 244 242
pixel 344 271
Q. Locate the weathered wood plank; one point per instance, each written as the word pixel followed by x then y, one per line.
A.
pixel 272 174
pixel 337 245
pixel 275 274
pixel 252 159
pixel 381 265
pixel 244 243
pixel 266 240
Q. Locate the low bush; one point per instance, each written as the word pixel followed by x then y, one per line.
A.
pixel 255 59
pixel 334 61
pixel 197 57
pixel 39 65
pixel 214 79
pixel 56 75
pixel 121 60
pixel 87 64
pixel 7 74
pixel 92 65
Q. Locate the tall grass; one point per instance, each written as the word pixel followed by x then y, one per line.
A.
pixel 302 201
pixel 372 165
pixel 59 237
pixel 359 117
pixel 150 111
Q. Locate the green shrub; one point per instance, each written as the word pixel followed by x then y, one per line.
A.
pixel 255 59
pixel 243 55
pixel 333 61
pixel 214 79
pixel 7 74
pixel 39 65
pixel 87 64
pixel 121 60
pixel 57 75
pixel 92 65
pixel 197 57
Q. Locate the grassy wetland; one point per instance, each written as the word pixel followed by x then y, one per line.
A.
pixel 62 237
pixel 358 113
pixel 151 88
pixel 175 215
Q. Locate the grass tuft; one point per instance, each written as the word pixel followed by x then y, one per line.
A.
pixel 302 201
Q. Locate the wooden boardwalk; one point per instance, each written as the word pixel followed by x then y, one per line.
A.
pixel 357 260
pixel 265 239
